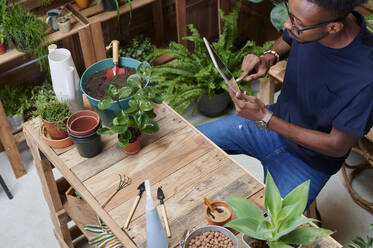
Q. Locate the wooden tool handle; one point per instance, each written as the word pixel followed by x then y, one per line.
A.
pixel 132 211
pixel 168 232
pixel 109 199
pixel 115 51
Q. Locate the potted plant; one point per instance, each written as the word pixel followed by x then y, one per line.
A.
pixel 55 115
pixel 2 40
pixel 359 242
pixel 111 5
pixel 283 224
pixel 82 3
pixel 139 48
pixel 193 74
pixel 131 122
pixel 64 23
pixel 27 32
pixel 15 101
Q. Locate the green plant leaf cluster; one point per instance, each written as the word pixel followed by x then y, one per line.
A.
pixel 137 118
pixel 282 225
pixel 117 5
pixel 27 32
pixel 369 21
pixel 193 74
pixel 41 95
pixel 55 112
pixel 15 99
pixel 139 48
pixel 359 242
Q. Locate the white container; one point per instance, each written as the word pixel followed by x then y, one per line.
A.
pixel 65 79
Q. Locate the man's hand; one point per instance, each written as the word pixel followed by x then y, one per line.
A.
pixel 248 107
pixel 255 67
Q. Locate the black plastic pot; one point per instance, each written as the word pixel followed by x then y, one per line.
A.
pixel 215 106
pixel 109 5
pixel 88 146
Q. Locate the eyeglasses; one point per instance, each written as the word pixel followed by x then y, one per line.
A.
pixel 293 18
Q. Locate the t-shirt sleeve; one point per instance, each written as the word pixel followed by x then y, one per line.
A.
pixel 357 118
pixel 286 37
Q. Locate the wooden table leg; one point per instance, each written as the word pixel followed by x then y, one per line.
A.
pixel 181 21
pixel 158 22
pixel 51 195
pixel 9 143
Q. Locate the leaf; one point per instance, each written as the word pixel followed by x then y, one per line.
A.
pixel 151 128
pixel 134 81
pixel 273 201
pixel 112 90
pixel 124 92
pixel 157 99
pixel 119 129
pixel 278 244
pixel 133 103
pixel 278 16
pixel 105 103
pixel 250 227
pixel 255 1
pixel 122 141
pixel 145 105
pixel 103 131
pixel 144 70
pixel 295 202
pixel 305 235
pixel 130 110
pixel 121 120
pixel 290 225
pixel 141 119
pixel 244 208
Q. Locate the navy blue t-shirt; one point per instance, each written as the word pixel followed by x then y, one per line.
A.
pixel 328 88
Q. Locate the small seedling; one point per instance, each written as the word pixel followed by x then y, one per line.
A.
pixel 65 18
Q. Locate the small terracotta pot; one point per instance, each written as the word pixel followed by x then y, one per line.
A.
pixel 82 3
pixel 64 27
pixel 134 147
pixel 83 123
pixel 224 205
pixel 53 131
pixel 55 143
pixel 3 48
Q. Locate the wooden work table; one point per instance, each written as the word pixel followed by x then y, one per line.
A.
pixel 179 158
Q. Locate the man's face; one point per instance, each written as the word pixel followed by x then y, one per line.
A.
pixel 304 14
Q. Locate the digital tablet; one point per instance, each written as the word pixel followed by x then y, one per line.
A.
pixel 222 69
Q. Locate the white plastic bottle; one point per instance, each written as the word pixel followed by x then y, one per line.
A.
pixel 155 234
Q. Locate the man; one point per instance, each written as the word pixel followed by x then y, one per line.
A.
pixel 325 104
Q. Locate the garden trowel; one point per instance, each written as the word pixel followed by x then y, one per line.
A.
pixel 115 70
pixel 141 189
pixel 160 196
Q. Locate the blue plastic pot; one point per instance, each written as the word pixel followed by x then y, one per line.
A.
pixel 109 114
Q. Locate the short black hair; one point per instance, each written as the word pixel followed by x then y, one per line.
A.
pixel 338 8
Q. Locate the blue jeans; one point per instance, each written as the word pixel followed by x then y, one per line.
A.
pixel 237 135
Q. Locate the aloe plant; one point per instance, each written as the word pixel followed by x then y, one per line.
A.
pixel 284 216
pixel 359 242
pixel 132 121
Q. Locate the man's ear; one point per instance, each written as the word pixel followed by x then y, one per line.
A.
pixel 335 27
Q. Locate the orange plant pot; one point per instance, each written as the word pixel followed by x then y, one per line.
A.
pixel 3 48
pixel 221 222
pixel 133 148
pixel 82 3
pixel 55 143
pixel 53 131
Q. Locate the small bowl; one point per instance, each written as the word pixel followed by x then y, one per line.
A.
pixel 221 222
pixel 55 143
pixel 83 123
pixel 204 229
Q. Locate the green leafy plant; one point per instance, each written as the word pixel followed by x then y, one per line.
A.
pixel 15 99
pixel 278 15
pixel 138 117
pixel 139 48
pixel 369 21
pixel 41 95
pixel 65 18
pixel 193 74
pixel 117 5
pixel 56 112
pixel 281 227
pixel 27 32
pixel 359 242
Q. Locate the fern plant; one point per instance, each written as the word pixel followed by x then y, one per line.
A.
pixel 193 74
pixel 359 242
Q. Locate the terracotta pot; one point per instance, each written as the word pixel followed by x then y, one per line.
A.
pixel 64 27
pixel 133 148
pixel 3 48
pixel 222 221
pixel 53 131
pixel 83 123
pixel 55 143
pixel 82 3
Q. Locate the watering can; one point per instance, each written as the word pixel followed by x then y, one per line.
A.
pixel 65 79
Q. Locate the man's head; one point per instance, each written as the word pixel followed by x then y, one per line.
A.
pixel 312 20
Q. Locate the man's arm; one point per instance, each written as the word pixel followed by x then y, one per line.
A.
pixel 333 144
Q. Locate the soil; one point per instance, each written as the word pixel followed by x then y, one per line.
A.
pixel 97 83
pixel 254 243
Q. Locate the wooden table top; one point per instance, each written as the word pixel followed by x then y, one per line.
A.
pixel 179 158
